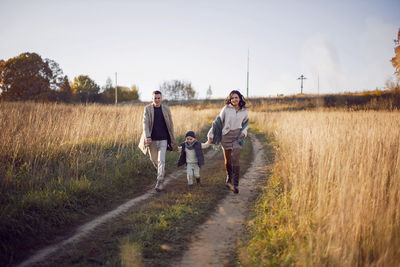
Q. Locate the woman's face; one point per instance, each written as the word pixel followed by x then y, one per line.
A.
pixel 235 100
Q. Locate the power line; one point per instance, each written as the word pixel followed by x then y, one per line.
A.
pixel 302 78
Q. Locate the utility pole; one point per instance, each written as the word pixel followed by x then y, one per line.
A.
pixel 248 55
pixel 302 78
pixel 116 89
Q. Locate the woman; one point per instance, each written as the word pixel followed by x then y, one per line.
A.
pixel 230 128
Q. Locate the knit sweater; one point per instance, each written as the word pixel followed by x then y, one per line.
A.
pixel 231 120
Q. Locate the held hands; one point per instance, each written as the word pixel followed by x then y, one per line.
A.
pixel 148 141
pixel 242 135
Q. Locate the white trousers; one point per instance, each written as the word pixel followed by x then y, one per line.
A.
pixel 158 148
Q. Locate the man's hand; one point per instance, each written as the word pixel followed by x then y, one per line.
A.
pixel 148 141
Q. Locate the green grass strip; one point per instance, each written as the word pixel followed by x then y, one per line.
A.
pixel 159 231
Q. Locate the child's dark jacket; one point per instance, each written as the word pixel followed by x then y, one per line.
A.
pixel 199 154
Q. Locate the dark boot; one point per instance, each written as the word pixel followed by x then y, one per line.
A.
pixel 198 180
pixel 236 171
pixel 228 182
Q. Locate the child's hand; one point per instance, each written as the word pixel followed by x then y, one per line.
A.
pixel 209 140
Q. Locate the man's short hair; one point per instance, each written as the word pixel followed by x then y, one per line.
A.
pixel 157 92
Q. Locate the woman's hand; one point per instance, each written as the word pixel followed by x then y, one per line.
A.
pixel 148 141
pixel 242 135
pixel 209 140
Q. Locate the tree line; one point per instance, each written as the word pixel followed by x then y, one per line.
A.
pixel 30 77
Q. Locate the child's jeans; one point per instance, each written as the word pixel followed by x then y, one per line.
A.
pixel 193 171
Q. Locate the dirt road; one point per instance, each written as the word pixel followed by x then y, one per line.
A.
pixel 90 227
pixel 214 243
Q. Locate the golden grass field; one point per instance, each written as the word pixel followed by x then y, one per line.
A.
pixel 337 175
pixel 333 197
pixel 34 133
pixel 59 162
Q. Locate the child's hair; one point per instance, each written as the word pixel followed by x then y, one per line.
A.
pixel 190 133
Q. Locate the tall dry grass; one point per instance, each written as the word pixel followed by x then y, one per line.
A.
pixel 338 177
pixel 37 134
pixel 59 162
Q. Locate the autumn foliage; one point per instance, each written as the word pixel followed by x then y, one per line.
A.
pixel 396 58
pixel 30 77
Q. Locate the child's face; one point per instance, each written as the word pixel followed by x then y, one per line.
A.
pixel 190 140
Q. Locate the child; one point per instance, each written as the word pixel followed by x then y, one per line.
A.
pixel 192 156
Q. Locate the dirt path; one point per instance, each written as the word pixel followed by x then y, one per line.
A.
pixel 215 241
pixel 90 227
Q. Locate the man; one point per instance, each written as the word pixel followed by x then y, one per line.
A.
pixel 158 135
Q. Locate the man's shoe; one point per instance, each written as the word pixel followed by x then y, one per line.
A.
pixel 159 186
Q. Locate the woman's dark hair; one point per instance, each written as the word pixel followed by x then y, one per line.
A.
pixel 242 102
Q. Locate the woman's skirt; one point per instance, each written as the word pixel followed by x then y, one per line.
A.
pixel 230 140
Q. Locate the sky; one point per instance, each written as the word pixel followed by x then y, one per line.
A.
pixel 339 46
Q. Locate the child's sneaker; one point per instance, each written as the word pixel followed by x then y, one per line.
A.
pixel 190 187
pixel 198 180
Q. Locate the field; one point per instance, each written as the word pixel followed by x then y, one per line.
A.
pixel 60 163
pixel 333 198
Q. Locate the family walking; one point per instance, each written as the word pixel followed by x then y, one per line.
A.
pixel 229 129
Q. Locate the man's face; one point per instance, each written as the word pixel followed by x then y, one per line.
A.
pixel 157 99
pixel 190 140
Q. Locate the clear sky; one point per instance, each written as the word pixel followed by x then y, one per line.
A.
pixel 347 44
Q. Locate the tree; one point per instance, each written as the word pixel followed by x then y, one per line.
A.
pixel 66 93
pixel 86 89
pixel 127 94
pixel 134 93
pixel 124 94
pixel 177 90
pixel 29 77
pixel 57 78
pixel 209 92
pixel 108 85
pixel 396 59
